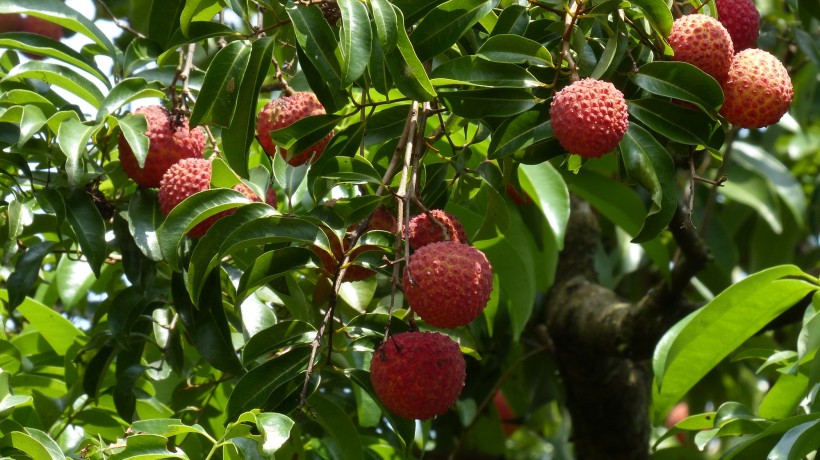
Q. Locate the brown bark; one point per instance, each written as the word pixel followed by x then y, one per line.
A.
pixel 603 344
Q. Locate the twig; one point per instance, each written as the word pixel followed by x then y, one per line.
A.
pixel 119 23
pixel 566 40
pixel 710 202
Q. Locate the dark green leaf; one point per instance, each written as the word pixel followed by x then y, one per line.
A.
pixel 269 266
pixel 520 132
pixel 163 20
pixel 483 103
pixel 128 90
pixel 282 335
pixel 88 226
pixel 144 217
pixel 680 124
pixel 384 17
pixel 445 24
pixel 406 68
pixel 303 133
pixel 217 99
pixel 48 47
pixel 338 425
pixel 61 76
pixel 650 165
pixel 513 21
pixel 472 70
pixel 25 272
pixel 680 80
pixel 134 126
pixel 515 49
pixel 354 38
pixel 658 13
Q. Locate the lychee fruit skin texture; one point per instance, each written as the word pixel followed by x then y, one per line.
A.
pixel 418 375
pixel 589 117
pixel 423 231
pixel 742 20
pixel 448 284
pixel 183 179
pixel 170 140
pixel 284 111
pixel 757 91
pixel 702 41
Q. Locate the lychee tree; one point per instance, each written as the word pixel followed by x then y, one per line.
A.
pixel 593 226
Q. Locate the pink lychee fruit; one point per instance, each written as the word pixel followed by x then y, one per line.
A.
pixel 702 41
pixel 11 22
pixel 589 117
pixel 169 139
pixel 418 375
pixel 758 90
pixel 742 20
pixel 448 284
pixel 423 230
pixel 284 111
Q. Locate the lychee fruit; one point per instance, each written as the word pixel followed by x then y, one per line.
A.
pixel 757 91
pixel 193 175
pixel 589 117
pixel 702 41
pixel 423 230
pixel 742 20
pixel 170 140
pixel 448 284
pixel 418 375
pixel 35 25
pixel 519 198
pixel 11 22
pixel 284 111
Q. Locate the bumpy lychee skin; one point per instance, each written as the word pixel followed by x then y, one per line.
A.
pixel 284 111
pixel 170 140
pixel 183 179
pixel 742 20
pixel 589 117
pixel 702 41
pixel 757 91
pixel 418 375
pixel 448 284
pixel 423 231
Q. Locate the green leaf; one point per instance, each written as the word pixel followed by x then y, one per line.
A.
pixel 190 212
pixel 53 327
pixel 720 327
pixel 207 325
pixel 48 47
pixel 198 10
pixel 798 442
pixel 34 443
pixel 143 446
pixel 658 13
pixel 751 188
pixel 197 32
pixel 73 137
pixel 406 68
pixel 338 425
pixel 275 429
pixel 445 24
pixel 163 20
pixel 134 126
pixel 217 99
pixel 513 21
pixel 58 75
pixel 25 272
pixel 784 396
pixel 762 444
pixel 472 70
pixel 354 39
pixel 31 122
pixel 304 133
pixel 386 21
pixel 25 97
pixel 268 266
pixel 650 165
pixel 354 170
pixel 57 12
pixel 279 336
pixel 519 132
pixel 73 279
pixel 515 49
pixel 258 384
pixel 8 400
pixel 238 137
pixel 678 123
pixel 680 80
pixel 485 103
pixel 88 226
pixel 128 90
pixel 548 190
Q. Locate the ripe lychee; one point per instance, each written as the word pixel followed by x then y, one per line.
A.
pixel 170 140
pixel 742 20
pixel 589 117
pixel 702 41
pixel 283 112
pixel 757 91
pixel 11 22
pixel 35 25
pixel 448 284
pixel 423 230
pixel 193 175
pixel 418 375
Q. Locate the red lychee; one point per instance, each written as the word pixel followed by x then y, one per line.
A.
pixel 742 20
pixel 757 91
pixel 448 284
pixel 423 231
pixel 11 23
pixel 35 25
pixel 702 41
pixel 506 415
pixel 418 375
pixel 170 140
pixel 284 111
pixel 193 175
pixel 589 117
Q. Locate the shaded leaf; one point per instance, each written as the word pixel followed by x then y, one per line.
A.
pixel 217 99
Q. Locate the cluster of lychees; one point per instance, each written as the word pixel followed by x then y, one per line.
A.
pixel 447 282
pixel 175 162
pixel 757 89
